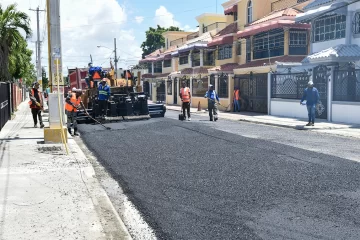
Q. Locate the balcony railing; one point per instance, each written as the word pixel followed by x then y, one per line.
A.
pixel 209 62
pixel 178 42
pixel 213 26
pixel 192 36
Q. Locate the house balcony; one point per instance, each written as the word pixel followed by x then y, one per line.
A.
pixel 178 42
pixel 214 27
pixel 192 36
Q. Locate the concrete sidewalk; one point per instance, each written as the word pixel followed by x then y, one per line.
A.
pixel 341 129
pixel 45 194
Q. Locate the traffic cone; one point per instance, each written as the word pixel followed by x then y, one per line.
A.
pixel 199 107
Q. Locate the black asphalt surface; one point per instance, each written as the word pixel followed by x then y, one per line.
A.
pixel 233 180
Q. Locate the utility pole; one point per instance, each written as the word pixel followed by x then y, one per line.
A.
pixel 116 60
pixel 38 47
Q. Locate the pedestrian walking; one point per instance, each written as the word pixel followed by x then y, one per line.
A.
pixel 185 96
pixel 237 103
pixel 104 94
pixel 311 95
pixel 73 103
pixel 36 104
pixel 212 97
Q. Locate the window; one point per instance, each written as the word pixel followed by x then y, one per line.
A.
pixel 238 48
pixel 329 28
pixel 200 86
pixel 183 59
pixel 249 12
pixel 195 58
pixel 356 23
pixel 167 63
pixel 149 67
pixel 248 50
pixel 269 44
pixel 235 16
pixel 209 59
pixel 298 43
pixel 223 86
pixel 225 52
pixel 158 67
pixel 212 79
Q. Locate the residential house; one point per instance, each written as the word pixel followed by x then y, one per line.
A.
pixel 333 64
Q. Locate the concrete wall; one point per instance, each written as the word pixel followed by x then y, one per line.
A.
pixel 346 112
pixel 287 108
pixel 319 46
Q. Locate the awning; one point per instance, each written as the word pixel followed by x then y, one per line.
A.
pixel 339 8
pixel 148 60
pixel 266 26
pixel 230 10
pixel 338 53
pixel 187 48
pixel 167 56
pixel 221 40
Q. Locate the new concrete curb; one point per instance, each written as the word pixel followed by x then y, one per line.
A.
pixel 113 225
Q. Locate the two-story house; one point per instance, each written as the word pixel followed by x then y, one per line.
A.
pixel 332 64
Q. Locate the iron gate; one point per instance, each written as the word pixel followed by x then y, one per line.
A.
pixel 175 90
pixel 321 83
pixel 160 91
pixel 146 90
pixel 289 85
pixel 4 104
pixel 253 91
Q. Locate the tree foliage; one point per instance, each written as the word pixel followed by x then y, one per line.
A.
pixel 15 57
pixel 154 39
pixel 45 80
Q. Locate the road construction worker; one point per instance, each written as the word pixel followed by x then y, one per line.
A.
pixel 237 103
pixel 212 97
pixel 73 103
pixel 36 104
pixel 185 96
pixel 104 94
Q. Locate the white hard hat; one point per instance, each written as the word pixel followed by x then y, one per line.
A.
pixel 73 89
pixel 310 83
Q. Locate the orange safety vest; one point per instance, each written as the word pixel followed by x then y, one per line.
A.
pixel 32 105
pixel 75 101
pixel 236 92
pixel 185 94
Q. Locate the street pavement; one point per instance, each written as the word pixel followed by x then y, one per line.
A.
pixel 233 180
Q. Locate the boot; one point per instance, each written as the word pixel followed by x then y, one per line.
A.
pixel 309 124
pixel 42 125
pixel 312 124
pixel 75 132
pixel 69 130
pixel 35 125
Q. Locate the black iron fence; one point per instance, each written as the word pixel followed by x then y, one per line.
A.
pixel 346 84
pixel 5 106
pixel 288 85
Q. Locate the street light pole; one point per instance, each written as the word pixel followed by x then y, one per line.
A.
pixel 116 60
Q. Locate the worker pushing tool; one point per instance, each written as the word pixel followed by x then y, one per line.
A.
pixel 185 96
pixel 104 94
pixel 72 105
pixel 212 97
pixel 36 104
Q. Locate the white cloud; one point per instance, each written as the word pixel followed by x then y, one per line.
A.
pixel 139 19
pixel 164 18
pixel 86 24
pixel 187 28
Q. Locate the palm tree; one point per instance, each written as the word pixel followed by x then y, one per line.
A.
pixel 11 40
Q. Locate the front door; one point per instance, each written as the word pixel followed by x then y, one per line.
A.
pixel 175 90
pixel 321 83
pixel 253 92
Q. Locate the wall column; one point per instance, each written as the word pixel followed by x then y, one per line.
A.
pixel 330 93
pixel 152 68
pixel 231 84
pixel 201 57
pixel 216 82
pixel 269 93
pixel 190 60
pixel 348 31
pixel 286 41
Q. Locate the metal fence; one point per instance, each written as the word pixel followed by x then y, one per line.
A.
pixel 346 84
pixel 5 106
pixel 288 85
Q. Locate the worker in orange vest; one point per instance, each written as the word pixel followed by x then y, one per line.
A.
pixel 36 104
pixel 185 96
pixel 237 104
pixel 73 103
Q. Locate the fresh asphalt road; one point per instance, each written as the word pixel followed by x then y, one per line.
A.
pixel 233 180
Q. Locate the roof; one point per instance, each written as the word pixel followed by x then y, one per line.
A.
pixel 264 62
pixel 338 8
pixel 203 38
pixel 317 3
pixel 225 36
pixel 228 67
pixel 338 53
pixel 281 14
pixel 191 71
pixel 231 28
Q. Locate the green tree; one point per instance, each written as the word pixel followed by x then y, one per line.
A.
pixel 12 43
pixel 154 39
pixel 45 80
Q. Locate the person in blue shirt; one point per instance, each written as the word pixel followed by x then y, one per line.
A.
pixel 104 94
pixel 311 95
pixel 212 97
